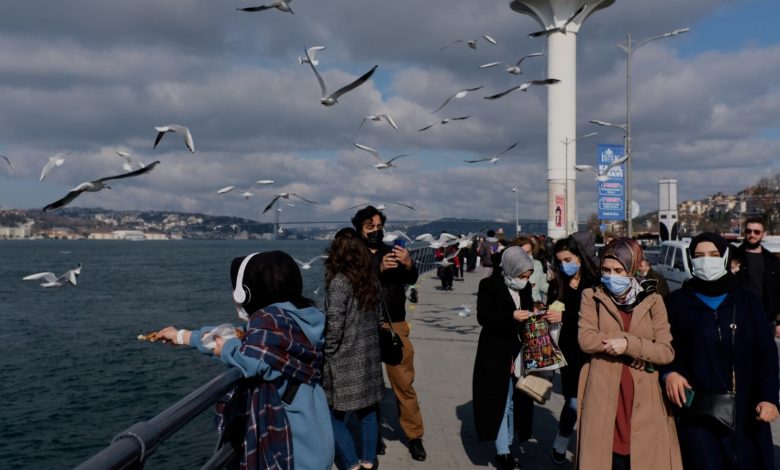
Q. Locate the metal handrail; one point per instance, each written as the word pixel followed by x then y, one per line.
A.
pixel 131 447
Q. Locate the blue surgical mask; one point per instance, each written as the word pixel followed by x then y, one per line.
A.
pixel 616 284
pixel 570 269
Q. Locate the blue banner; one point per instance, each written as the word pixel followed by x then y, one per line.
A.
pixel 612 184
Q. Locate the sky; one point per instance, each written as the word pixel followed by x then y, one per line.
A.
pixel 92 77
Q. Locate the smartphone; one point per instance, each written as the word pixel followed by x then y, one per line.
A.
pixel 400 242
pixel 689 394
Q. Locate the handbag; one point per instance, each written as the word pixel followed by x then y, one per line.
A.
pixel 391 349
pixel 535 386
pixel 716 408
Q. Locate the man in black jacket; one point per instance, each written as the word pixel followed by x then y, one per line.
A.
pixel 760 270
pixel 396 270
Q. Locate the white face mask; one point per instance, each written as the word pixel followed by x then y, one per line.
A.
pixel 708 268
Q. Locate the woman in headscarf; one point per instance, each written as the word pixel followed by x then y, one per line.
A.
pixel 704 314
pixel 503 302
pixel 283 417
pixel 624 421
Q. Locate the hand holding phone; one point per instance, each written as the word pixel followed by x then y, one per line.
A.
pixel 689 394
pixel 400 242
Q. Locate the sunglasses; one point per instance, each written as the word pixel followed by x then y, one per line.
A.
pixel 750 230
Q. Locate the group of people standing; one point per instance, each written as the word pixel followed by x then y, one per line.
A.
pixel 310 372
pixel 689 380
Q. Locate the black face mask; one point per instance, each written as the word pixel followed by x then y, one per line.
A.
pixel 374 239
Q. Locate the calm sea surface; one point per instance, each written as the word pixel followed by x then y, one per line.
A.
pixel 73 373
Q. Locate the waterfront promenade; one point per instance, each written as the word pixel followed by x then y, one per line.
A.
pixel 445 345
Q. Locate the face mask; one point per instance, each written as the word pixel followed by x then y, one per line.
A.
pixel 570 269
pixel 515 284
pixel 374 239
pixel 708 268
pixel 616 284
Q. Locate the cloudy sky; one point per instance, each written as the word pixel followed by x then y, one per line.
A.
pixel 93 77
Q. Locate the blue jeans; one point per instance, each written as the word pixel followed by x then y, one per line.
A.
pixel 568 416
pixel 346 454
pixel 506 431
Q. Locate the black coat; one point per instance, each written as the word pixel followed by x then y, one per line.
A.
pixel 704 358
pixel 770 296
pixel 499 343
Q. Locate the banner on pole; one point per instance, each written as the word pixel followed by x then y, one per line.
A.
pixel 612 190
pixel 560 210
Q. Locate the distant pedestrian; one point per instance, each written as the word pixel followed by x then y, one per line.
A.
pixel 487 249
pixel 646 272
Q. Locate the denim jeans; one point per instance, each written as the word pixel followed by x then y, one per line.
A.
pixel 506 430
pixel 568 416
pixel 346 453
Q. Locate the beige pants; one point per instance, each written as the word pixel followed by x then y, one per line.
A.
pixel 401 379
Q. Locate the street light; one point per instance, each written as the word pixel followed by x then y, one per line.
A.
pixel 566 142
pixel 628 48
pixel 517 218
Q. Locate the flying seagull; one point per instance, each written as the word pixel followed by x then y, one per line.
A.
pixel 457 96
pixel 264 182
pixel 281 5
pixel 390 237
pixel 128 164
pixel 523 87
pixel 471 43
pixel 382 164
pixel 562 28
pixel 494 159
pixel 603 174
pixel 96 185
pixel 307 264
pixel 7 160
pixel 226 189
pixel 310 56
pixel 331 99
pixel 443 121
pixel 54 160
pixel 445 239
pixel 377 118
pixel 513 69
pixel 247 194
pixel 161 131
pixel 285 196
pixel 54 281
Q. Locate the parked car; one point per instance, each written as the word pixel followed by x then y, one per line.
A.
pixel 673 264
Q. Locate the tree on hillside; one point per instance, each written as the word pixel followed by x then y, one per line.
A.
pixel 766 195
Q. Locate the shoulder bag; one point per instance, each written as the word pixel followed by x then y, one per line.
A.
pixel 391 349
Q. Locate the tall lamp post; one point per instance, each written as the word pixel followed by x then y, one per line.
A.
pixel 628 48
pixel 570 176
pixel 517 217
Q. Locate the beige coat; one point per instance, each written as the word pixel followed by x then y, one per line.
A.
pixel 653 435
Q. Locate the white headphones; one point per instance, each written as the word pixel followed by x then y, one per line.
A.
pixel 242 293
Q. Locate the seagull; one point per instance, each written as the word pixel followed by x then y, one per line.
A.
pixel 331 99
pixel 161 131
pixel 285 196
pixel 442 122
pixel 96 185
pixel 217 227
pixel 311 53
pixel 524 87
pixel 377 118
pixel 513 69
pixel 382 165
pixel 307 264
pixel 463 310
pixel 128 164
pixel 380 206
pixel 445 239
pixel 494 159
pixel 457 96
pixel 390 237
pixel 234 226
pixel 471 43
pixel 8 161
pixel 54 160
pixel 54 281
pixel 247 194
pixel 602 174
pixel 226 189
pixel 562 28
pixel 281 5
pixel 264 182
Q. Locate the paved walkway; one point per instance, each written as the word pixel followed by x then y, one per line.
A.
pixel 445 346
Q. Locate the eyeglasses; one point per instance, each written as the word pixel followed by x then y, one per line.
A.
pixel 748 231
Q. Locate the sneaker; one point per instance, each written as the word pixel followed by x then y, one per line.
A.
pixel 558 451
pixel 417 450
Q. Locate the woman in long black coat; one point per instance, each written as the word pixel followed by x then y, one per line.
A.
pixel 503 302
pixel 701 315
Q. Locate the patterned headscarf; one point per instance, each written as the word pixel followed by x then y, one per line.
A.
pixel 628 253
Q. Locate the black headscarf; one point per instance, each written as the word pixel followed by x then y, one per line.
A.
pixel 718 286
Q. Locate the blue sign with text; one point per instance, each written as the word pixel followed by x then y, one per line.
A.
pixel 611 183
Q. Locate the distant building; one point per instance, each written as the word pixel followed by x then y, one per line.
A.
pixel 133 235
pixel 15 232
pixel 101 236
pixel 155 236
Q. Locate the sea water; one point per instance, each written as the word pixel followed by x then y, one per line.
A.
pixel 73 374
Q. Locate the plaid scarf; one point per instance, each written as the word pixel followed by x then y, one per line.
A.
pixel 275 338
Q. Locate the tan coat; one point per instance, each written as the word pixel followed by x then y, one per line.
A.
pixel 653 435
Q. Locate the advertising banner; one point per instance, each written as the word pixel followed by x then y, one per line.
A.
pixel 612 185
pixel 560 210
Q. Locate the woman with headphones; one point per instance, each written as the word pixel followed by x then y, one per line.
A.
pixel 287 421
